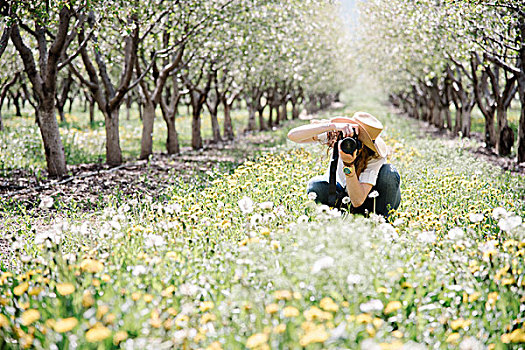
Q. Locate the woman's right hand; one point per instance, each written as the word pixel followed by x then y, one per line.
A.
pixel 346 128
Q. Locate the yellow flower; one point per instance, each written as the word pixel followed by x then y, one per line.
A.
pixel 290 311
pixel 392 307
pixel 280 328
pixel 168 291
pixel 206 305
pixel 21 289
pixel 282 295
pixel 460 323
pixel 473 297
pixel 106 278
pixel 97 333
pixel 377 322
pixel 391 346
pixel 397 334
pixel 30 316
pixel 148 298
pixel 34 291
pixel 328 304
pixel 256 340
pixel 363 318
pixel 119 337
pixel 452 338
pixel 87 299
pixel 517 336
pixel 265 231
pixel 207 317
pixel 214 346
pixel 4 321
pixel 65 325
pixel 135 296
pixel 91 265
pixel 316 335
pixel 314 313
pixel 272 308
pixel 65 288
pixel 101 311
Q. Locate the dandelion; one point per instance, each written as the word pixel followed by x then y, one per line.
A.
pixel 499 213
pixel 290 311
pixel 456 233
pixel 475 218
pixel 46 202
pixel 154 241
pixel 65 288
pixel 470 343
pixel 371 305
pixel 427 237
pixel 65 325
pixel 91 265
pixel 97 333
pixel 271 308
pixel 322 264
pixel 21 289
pixel 509 223
pixel 119 337
pixel 256 340
pixel 312 196
pixel 302 219
pixel 246 205
pixel 328 304
pixel 373 194
pixel 256 219
pixel 206 305
pixel 266 205
pixel 316 335
pixel 392 307
pixel 346 200
pixel 30 316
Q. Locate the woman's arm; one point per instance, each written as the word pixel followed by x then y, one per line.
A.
pixel 309 132
pixel 356 190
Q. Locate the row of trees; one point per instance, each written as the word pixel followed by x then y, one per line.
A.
pixel 162 53
pixel 435 54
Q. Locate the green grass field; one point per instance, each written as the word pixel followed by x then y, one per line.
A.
pixel 250 262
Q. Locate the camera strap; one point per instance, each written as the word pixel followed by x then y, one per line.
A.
pixel 332 193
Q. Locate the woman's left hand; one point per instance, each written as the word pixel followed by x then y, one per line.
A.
pixel 347 158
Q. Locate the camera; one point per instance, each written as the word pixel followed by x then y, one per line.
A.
pixel 350 144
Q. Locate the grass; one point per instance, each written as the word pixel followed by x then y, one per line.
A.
pixel 249 262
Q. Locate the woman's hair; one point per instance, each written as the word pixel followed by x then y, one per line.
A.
pixel 363 156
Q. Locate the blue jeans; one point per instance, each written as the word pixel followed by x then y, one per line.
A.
pixel 387 185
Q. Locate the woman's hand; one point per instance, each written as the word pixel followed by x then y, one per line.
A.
pixel 347 129
pixel 347 158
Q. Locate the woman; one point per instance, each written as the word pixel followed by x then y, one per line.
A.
pixel 365 178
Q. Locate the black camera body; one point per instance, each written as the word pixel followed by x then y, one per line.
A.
pixel 350 144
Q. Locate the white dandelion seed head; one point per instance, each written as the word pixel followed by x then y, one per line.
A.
pixel 353 278
pixel 266 205
pixel 510 223
pixel 475 217
pixel 312 196
pixel 303 219
pixel 499 213
pixel 245 204
pixel 373 194
pixel 456 233
pixel 256 219
pixel 470 343
pixel 323 263
pixel 427 237
pixel 371 306
pixel 346 200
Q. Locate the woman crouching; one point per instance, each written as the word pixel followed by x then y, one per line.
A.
pixel 361 175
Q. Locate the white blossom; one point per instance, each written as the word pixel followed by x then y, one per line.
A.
pixel 322 263
pixel 154 241
pixel 456 233
pixel 509 223
pixel 312 196
pixel 373 194
pixel 371 306
pixel 266 205
pixel 475 217
pixel 470 343
pixel 427 237
pixel 246 205
pixel 353 278
pixel 346 200
pixel 499 213
pixel 46 202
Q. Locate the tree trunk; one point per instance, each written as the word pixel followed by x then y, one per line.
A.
pixel 172 141
pixel 53 147
pixel 113 151
pixel 504 138
pixel 148 120
pixel 270 117
pixel 521 129
pixel 1 122
pixel 92 112
pixel 466 111
pixel 228 129
pixel 282 112
pixel 295 111
pixel 251 117
pixel 196 104
pixel 216 129
pixel 261 119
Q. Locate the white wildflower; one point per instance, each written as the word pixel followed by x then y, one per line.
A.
pixel 256 219
pixel 138 270
pixel 456 233
pixel 427 237
pixel 499 213
pixel 353 278
pixel 188 289
pixel 371 306
pixel 154 241
pixel 388 230
pixel 325 262
pixel 280 211
pixel 116 225
pixel 470 343
pixel 412 345
pixel 246 205
pixel 346 200
pixel 266 205
pixel 312 196
pixel 475 217
pixel 334 212
pixel 268 217
pixel 373 194
pixel 398 222
pixel 46 202
pixel 370 344
pixel 302 219
pixel 509 223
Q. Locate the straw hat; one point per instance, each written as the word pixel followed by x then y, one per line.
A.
pixel 369 130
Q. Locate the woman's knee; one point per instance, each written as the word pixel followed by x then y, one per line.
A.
pixel 388 178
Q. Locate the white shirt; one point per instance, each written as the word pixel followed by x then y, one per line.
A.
pixel 368 176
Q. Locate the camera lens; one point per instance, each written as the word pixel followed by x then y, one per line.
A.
pixel 348 145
